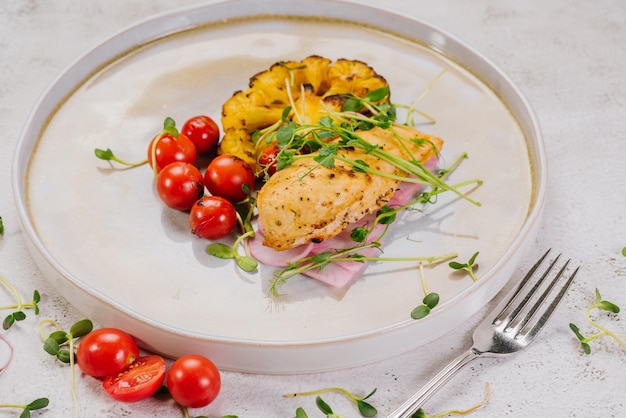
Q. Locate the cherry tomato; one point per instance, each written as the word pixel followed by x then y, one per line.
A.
pixel 194 381
pixel 203 132
pixel 212 217
pixel 180 185
pixel 169 149
pixel 226 175
pixel 268 158
pixel 106 352
pixel 140 381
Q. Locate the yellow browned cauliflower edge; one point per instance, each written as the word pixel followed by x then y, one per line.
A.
pixel 314 83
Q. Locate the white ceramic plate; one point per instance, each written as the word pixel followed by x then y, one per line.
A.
pixel 122 258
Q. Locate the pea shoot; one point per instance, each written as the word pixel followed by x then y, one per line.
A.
pixel 602 305
pixel 18 307
pixel 108 155
pixel 429 301
pixel 55 342
pixel 365 408
pixel 245 211
pixel 39 403
pixel 421 414
pixel 469 266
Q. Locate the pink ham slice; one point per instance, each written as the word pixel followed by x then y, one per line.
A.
pixel 337 274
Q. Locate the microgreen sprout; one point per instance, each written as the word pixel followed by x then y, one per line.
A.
pixel 55 342
pixel 469 266
pixel 108 155
pixel 1 226
pixel 624 251
pixel 18 314
pixel 421 414
pixel 412 108
pixel 244 212
pixel 429 301
pixel 602 305
pixel 245 262
pixel 169 128
pixel 39 403
pixel 365 408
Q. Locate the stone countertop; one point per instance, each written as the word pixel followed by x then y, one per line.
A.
pixel 567 59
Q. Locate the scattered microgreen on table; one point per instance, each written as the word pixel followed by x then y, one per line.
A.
pixel 421 414
pixel 365 408
pixel 39 403
pixel 1 226
pixel 602 305
pixel 55 342
pixel 18 314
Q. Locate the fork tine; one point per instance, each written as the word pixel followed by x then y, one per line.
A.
pixel 530 330
pixel 503 313
pixel 531 312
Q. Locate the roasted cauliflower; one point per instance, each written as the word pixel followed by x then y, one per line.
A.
pixel 311 87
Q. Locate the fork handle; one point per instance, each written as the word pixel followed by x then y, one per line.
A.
pixel 419 398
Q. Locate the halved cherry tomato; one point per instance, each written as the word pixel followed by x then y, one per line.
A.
pixel 203 132
pixel 269 158
pixel 180 185
pixel 226 176
pixel 140 381
pixel 106 352
pixel 194 381
pixel 168 149
pixel 212 217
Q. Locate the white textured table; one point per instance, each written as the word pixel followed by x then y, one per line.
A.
pixel 568 59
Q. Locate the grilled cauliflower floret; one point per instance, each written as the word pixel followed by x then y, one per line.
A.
pixel 311 86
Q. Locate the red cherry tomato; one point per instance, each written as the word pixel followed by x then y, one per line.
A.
pixel 226 175
pixel 194 381
pixel 140 381
pixel 212 217
pixel 180 185
pixel 106 352
pixel 203 132
pixel 268 158
pixel 168 149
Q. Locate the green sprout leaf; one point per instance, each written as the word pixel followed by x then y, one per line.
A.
pixel 429 302
pixel 323 406
pixel 602 305
pixel 301 414
pixel 1 226
pixel 220 250
pixel 81 328
pixel 419 414
pixel 469 266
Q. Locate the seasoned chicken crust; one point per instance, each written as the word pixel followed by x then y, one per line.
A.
pixel 306 202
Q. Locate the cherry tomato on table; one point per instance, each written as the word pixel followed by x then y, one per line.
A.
pixel 140 381
pixel 203 132
pixel 106 352
pixel 212 217
pixel 180 185
pixel 167 148
pixel 194 381
pixel 226 175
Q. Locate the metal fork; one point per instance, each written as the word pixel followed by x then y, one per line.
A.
pixel 510 327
